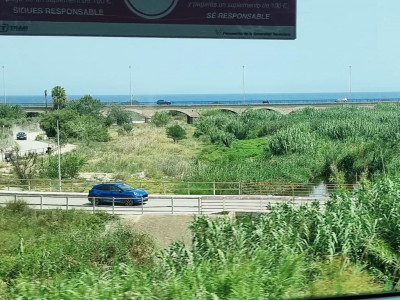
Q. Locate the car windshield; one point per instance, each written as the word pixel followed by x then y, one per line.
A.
pixel 125 187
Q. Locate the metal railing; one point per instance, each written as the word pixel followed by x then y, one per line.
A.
pixel 156 204
pixel 181 188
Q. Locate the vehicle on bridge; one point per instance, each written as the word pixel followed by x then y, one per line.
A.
pixel 21 136
pixel 344 99
pixel 118 192
pixel 163 102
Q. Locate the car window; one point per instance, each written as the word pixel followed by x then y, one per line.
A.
pixel 114 188
pixel 125 187
pixel 103 187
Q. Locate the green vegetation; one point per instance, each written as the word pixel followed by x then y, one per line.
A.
pixel 161 118
pixel 117 114
pixel 301 146
pixel 71 164
pixel 81 120
pixel 350 246
pixel 59 97
pixel 176 132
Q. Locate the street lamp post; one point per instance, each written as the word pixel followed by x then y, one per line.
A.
pixel 350 81
pixel 4 86
pixel 59 157
pixel 45 98
pixel 130 83
pixel 244 89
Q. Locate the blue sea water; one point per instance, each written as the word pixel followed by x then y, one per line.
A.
pixel 220 98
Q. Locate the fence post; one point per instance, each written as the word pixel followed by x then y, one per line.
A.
pixel 41 202
pixel 94 203
pixel 240 188
pixel 113 205
pixel 15 198
pixel 199 205
pixel 172 205
pixel 29 185
pixel 141 203
pixel 164 191
pixel 66 202
pixel 49 185
pixel 223 203
pixel 188 188
pixel 214 188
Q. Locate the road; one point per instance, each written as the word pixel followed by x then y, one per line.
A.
pixel 30 144
pixel 157 204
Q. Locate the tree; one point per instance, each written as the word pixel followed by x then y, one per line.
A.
pixel 59 97
pixel 119 115
pixel 161 118
pixel 176 132
pixel 24 166
pixel 87 105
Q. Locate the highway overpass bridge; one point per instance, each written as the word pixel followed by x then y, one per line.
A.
pixel 193 111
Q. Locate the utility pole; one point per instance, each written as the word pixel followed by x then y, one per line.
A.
pixel 59 156
pixel 45 98
pixel 350 81
pixel 4 86
pixel 244 89
pixel 130 84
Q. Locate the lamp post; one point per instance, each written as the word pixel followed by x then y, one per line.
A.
pixel 130 83
pixel 350 81
pixel 59 156
pixel 244 90
pixel 45 98
pixel 4 86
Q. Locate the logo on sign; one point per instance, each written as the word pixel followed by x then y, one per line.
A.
pixel 3 27
pixel 151 9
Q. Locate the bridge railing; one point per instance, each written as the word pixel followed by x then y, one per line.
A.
pixel 156 204
pixel 179 188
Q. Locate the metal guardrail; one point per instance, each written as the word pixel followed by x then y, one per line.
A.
pixel 181 188
pixel 157 204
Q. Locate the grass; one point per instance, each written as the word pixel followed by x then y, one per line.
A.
pixel 348 247
pixel 145 152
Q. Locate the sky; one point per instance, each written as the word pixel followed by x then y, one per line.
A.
pixel 332 35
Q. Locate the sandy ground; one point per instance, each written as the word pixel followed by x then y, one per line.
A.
pixel 165 229
pixel 37 146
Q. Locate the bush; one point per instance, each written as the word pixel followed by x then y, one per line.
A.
pixel 87 105
pixel 161 119
pixel 71 164
pixel 291 140
pixel 119 115
pixel 176 132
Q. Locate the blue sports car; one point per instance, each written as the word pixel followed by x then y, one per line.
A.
pixel 119 191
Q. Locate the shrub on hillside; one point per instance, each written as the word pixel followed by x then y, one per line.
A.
pixel 161 119
pixel 71 164
pixel 176 132
pixel 119 115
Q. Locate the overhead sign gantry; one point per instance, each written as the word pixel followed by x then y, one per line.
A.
pixel 233 19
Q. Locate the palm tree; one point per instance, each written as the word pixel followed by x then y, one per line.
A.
pixel 59 97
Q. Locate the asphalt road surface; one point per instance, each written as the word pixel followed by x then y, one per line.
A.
pixel 157 204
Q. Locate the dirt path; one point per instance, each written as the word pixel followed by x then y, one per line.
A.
pixel 165 229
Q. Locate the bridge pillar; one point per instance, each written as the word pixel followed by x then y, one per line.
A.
pixel 147 119
pixel 191 120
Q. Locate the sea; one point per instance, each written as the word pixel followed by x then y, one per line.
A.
pixel 250 98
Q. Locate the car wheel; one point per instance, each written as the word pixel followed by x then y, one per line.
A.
pixel 95 199
pixel 128 202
